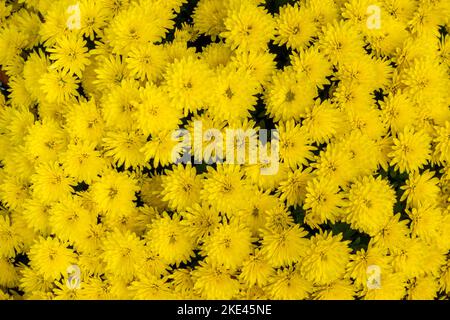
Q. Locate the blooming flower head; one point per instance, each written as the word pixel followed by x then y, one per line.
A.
pixel 9 276
pixel 313 65
pixel 338 290
pixel 36 64
pixel 156 113
pixel 164 148
pixel 409 257
pixel 360 264
pixel 51 182
pixel 340 42
pixel 289 284
pixel 138 25
pixel 124 254
pixel 256 269
pixel 392 288
pixel 146 62
pixel 235 95
pixel 70 220
pixel 14 191
pixel 254 215
pixel 181 187
pixel 150 287
pixel 421 189
pixel 9 234
pixel 45 141
pixel 209 17
pixel 423 288
pixel 259 64
pixel 334 164
pixel 200 221
pixel 50 257
pixel 397 112
pixel 295 148
pixel 59 85
pixel 214 281
pixel 114 192
pixel 370 204
pixel 289 96
pixel 426 222
pixel 393 234
pixel 442 141
pixel 411 150
pixel 217 55
pixel 284 247
pixel 248 27
pixel 293 189
pixel 36 214
pixel 325 258
pixel 221 187
pixel 125 147
pixel 82 161
pixel 70 53
pixel 168 238
pixel 84 122
pixel 120 104
pixel 322 202
pixel 124 127
pixel 187 84
pixel 229 244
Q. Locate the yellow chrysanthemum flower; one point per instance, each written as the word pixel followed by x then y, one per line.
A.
pixel 70 54
pixel 200 221
pixel 51 183
pixel 168 238
pixel 122 172
pixel 70 220
pixel 146 62
pixel 288 96
pixel 125 147
pixel 50 257
pixel 325 258
pixel 123 254
pixel 289 284
pixel 340 42
pixel 83 162
pixel 293 189
pixel 181 187
pixel 411 150
pixel 370 204
pixel 248 27
pixel 256 270
pixel 339 290
pixel 114 192
pixel 229 245
pixel 284 247
pixel 187 84
pixel 10 237
pixel 84 122
pixel 222 188
pixel 59 85
pixel 295 145
pixel 421 189
pixel 156 113
pixel 295 26
pixel 323 202
pixel 209 17
pixel 392 288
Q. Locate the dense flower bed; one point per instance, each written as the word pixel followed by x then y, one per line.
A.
pixel 355 92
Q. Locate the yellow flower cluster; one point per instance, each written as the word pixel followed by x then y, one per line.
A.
pixel 93 90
